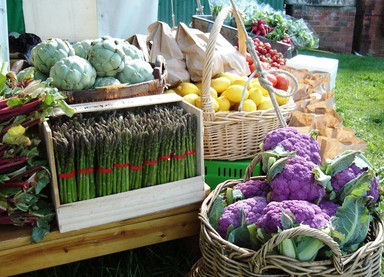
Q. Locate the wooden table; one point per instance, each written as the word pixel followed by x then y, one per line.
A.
pixel 18 255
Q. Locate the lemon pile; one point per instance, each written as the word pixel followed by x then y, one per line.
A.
pixel 226 92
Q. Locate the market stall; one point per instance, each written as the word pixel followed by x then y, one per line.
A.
pixel 109 144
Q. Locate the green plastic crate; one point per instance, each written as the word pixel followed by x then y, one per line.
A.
pixel 217 172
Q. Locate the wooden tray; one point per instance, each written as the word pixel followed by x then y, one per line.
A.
pixel 152 87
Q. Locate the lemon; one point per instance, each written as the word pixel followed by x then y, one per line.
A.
pixel 220 84
pixel 265 104
pixel 213 92
pixel 240 80
pixel 215 104
pixel 191 98
pixel 256 95
pixel 169 91
pixel 281 100
pixel 199 104
pixel 229 75
pixel 199 85
pixel 187 88
pixel 234 93
pixel 224 103
pixel 256 84
pixel 249 106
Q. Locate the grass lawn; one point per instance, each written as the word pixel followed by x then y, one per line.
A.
pixel 359 96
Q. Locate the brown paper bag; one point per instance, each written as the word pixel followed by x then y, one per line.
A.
pixel 140 41
pixel 163 42
pixel 226 58
pixel 331 147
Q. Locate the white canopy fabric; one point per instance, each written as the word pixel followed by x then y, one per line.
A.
pixel 4 47
pixel 88 19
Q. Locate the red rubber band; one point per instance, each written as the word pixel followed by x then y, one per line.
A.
pixel 67 175
pixel 190 152
pixel 165 158
pixel 150 162
pixel 179 157
pixel 135 167
pixel 121 165
pixel 105 170
pixel 89 170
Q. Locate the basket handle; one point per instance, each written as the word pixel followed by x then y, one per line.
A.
pixel 206 103
pixel 303 230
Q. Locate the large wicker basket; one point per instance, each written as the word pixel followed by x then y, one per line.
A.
pixel 222 258
pixel 234 135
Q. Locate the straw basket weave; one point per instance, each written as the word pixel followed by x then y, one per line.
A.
pixel 222 258
pixel 234 135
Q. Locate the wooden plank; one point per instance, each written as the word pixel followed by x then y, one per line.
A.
pixel 18 255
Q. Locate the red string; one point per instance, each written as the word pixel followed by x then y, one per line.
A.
pixel 150 162
pixel 105 170
pixel 67 175
pixel 89 170
pixel 164 158
pixel 179 157
pixel 121 165
pixel 190 152
pixel 135 167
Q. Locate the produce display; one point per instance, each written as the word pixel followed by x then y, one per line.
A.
pixel 24 174
pixel 338 197
pixel 227 89
pixel 77 66
pixel 263 21
pixel 103 153
pixel 267 55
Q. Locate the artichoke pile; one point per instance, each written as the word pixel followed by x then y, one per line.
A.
pixel 90 63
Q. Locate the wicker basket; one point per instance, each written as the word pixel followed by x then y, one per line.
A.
pixel 152 87
pixel 222 258
pixel 234 135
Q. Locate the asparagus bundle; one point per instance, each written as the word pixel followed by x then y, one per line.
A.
pixel 64 149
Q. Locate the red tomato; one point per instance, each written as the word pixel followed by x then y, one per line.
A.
pixel 282 81
pixel 252 67
pixel 272 79
pixel 248 58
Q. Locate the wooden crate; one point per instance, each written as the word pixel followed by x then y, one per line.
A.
pixel 134 203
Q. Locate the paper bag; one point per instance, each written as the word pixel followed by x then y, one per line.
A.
pixel 226 58
pixel 140 41
pixel 163 43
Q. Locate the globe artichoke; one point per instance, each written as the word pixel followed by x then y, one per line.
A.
pixel 135 71
pixel 131 50
pixel 107 56
pixel 105 81
pixel 45 54
pixel 73 73
pixel 81 48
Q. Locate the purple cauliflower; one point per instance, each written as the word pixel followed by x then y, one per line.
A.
pixel 296 182
pixel 252 207
pixel 301 212
pixel 353 171
pixel 329 207
pixel 341 178
pixel 253 188
pixel 292 140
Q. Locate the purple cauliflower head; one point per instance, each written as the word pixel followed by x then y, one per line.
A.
pixel 301 211
pixel 340 179
pixel 329 207
pixel 292 140
pixel 252 207
pixel 253 188
pixel 296 182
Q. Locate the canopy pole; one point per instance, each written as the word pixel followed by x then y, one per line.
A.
pixel 4 48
